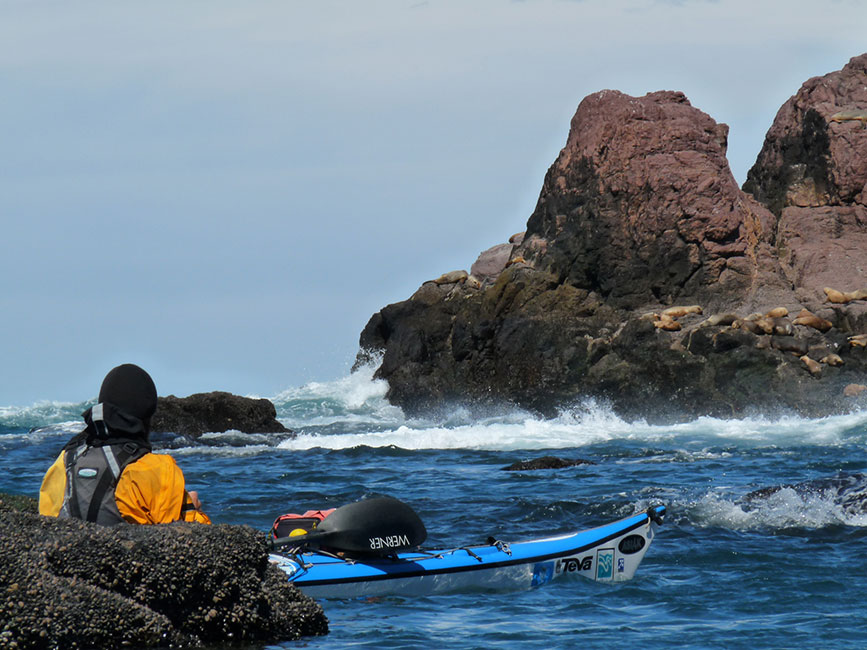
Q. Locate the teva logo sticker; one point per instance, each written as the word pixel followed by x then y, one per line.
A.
pixel 605 564
pixel 573 564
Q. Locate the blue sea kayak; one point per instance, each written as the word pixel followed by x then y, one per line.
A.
pixel 609 553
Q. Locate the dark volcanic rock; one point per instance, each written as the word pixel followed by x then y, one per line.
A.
pixel 215 412
pixel 545 462
pixel 72 584
pixel 848 491
pixel 638 216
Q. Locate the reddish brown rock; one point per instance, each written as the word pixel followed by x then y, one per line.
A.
pixel 638 213
pixel 641 207
pixel 824 247
pixel 490 264
pixel 812 173
pixel 808 159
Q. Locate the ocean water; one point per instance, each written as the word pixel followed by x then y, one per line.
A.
pixel 725 571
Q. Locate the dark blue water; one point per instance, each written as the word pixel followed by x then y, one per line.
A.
pixel 786 571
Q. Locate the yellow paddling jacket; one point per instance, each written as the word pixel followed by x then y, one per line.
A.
pixel 147 488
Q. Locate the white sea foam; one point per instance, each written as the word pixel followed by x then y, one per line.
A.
pixel 357 398
pixel 786 508
pixel 222 452
pixel 592 424
pixel 352 411
pixel 40 414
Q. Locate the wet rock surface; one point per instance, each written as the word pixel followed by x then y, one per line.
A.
pixel 647 279
pixel 71 584
pixel 847 491
pixel 545 462
pixel 215 412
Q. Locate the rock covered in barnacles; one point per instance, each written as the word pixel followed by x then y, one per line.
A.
pixel 73 584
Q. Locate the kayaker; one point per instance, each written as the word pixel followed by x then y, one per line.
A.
pixel 108 474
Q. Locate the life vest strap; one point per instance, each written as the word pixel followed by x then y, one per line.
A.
pixel 116 461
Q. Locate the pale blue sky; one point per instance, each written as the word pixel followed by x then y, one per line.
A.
pixel 224 192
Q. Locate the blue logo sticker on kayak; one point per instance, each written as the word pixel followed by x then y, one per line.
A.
pixel 542 573
pixel 605 564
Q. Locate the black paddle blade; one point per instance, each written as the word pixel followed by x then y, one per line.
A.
pixel 376 526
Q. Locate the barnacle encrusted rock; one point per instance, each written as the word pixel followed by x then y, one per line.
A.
pixel 72 584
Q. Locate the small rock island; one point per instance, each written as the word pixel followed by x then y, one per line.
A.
pixel 648 279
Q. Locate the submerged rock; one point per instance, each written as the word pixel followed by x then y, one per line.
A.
pixel 545 462
pixel 638 214
pixel 848 491
pixel 73 584
pixel 215 412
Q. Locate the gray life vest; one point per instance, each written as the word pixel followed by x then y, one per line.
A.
pixel 91 478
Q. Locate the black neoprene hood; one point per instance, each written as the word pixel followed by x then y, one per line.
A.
pixel 131 389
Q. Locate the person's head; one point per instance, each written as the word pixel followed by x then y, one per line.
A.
pixel 130 389
pixel 127 400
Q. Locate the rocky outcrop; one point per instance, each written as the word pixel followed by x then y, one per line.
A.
pixel 812 173
pixel 72 584
pixel 641 208
pixel 648 279
pixel 814 154
pixel 215 412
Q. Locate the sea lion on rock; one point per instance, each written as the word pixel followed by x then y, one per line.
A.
pixel 729 339
pixel 452 277
pixel 854 390
pixel 678 312
pixel 767 325
pixel 858 341
pixel 667 324
pixel 814 367
pixel 837 297
pixel 721 319
pixel 516 260
pixel 858 115
pixel 748 325
pixel 844 297
pixel 783 327
pixel 790 344
pixel 473 282
pixel 778 312
pixel 832 360
pixel 809 319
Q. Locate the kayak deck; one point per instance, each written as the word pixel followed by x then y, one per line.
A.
pixel 611 552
